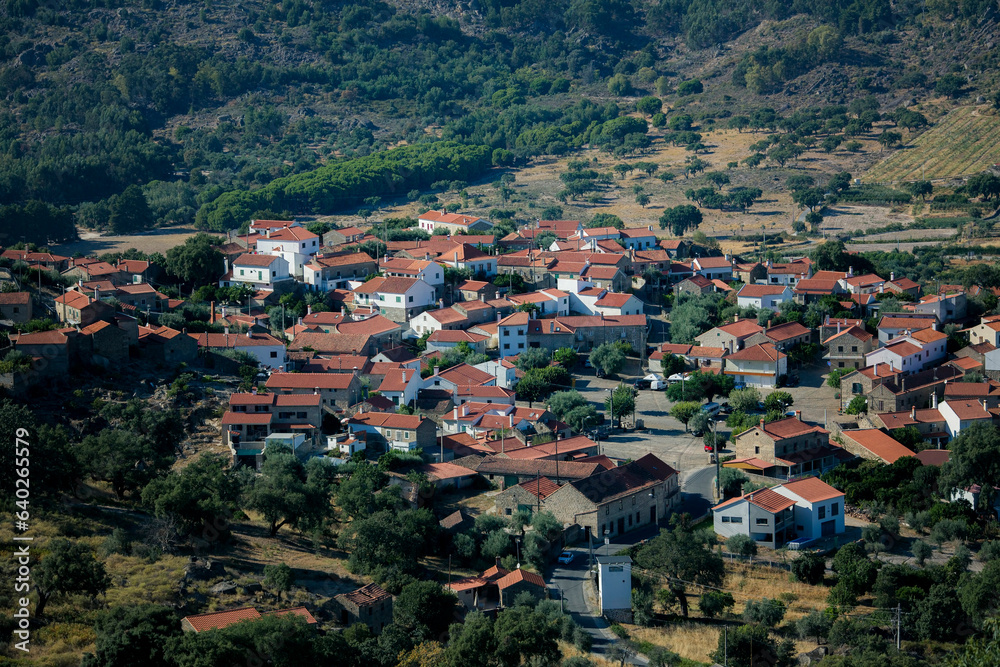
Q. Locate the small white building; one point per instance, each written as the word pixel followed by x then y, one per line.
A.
pixel 259 271
pixel 960 415
pixel 293 244
pixel 614 585
pixel 401 386
pixel 548 301
pixel 512 333
pixel 902 354
pixel 641 238
pixel 763 296
pixel 453 222
pixel 398 299
pixel 819 508
pixel 504 371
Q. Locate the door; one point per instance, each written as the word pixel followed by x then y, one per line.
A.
pixel 652 514
pixel 621 526
pixel 828 528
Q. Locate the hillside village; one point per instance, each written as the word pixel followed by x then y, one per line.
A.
pixel 496 386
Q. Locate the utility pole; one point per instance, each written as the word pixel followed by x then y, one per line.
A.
pixel 899 625
pixel 715 449
pixel 725 646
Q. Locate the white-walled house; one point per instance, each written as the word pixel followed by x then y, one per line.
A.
pixel 549 302
pixel 803 509
pixel 641 238
pixel 598 301
pixel 398 299
pixel 469 257
pixel 901 354
pixel 757 366
pixel 453 222
pixel 819 508
pixel 294 244
pixel 265 348
pixel 960 415
pixel 512 334
pixel 401 385
pixel 763 296
pixel 259 271
pixel 614 585
pixel 504 371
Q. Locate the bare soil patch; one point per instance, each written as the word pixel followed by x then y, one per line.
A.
pixel 93 243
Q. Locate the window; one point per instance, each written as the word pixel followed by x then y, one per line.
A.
pixel 399 299
pixel 607 510
pixel 840 348
pixel 756 450
pixel 761 522
pixel 822 512
pixel 854 348
pixel 274 354
pixel 834 509
pixel 727 519
pixel 506 346
pixel 241 272
pixel 633 500
pixel 856 388
pixel 300 415
pixel 410 299
pixel 737 519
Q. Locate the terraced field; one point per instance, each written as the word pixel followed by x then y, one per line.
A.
pixel 964 142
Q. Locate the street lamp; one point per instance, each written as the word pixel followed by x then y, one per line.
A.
pixel 517 545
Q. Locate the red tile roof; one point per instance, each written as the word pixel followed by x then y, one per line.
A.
pixel 741 329
pixel 15 298
pixel 332 381
pixel 541 487
pixel 763 352
pixel 854 331
pixel 519 575
pixel 879 444
pixel 813 489
pixel 390 285
pixel 789 428
pixel 934 457
pixel 449 218
pixel 755 291
pixel 236 340
pixel 786 331
pixel 968 410
pixel 387 420
pixel 222 619
pixel 255 260
pixel 253 418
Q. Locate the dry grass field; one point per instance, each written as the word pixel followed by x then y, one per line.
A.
pixel 156 240
pixel 964 142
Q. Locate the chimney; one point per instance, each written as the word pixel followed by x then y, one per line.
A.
pixel 427 255
pixel 984 406
pixel 309 311
pixel 249 335
pixel 437 371
pixel 874 367
pixel 892 276
pixel 551 326
pixel 97 293
pixel 736 318
pixel 934 401
pixel 934 326
pixel 300 321
pixel 913 412
pixel 510 420
pixel 850 271
pixel 465 409
pixel 455 413
pixel 211 312
pixel 762 422
pixel 798 414
pixel 254 391
pixel 838 326
pixel 315 390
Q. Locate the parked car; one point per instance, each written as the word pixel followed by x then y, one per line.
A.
pixel 712 408
pixel 600 373
pixel 793 381
pixel 642 383
pixel 566 558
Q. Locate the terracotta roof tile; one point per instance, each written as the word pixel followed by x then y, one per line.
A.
pixel 221 619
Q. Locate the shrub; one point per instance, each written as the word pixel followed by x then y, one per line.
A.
pixel 764 611
pixel 809 568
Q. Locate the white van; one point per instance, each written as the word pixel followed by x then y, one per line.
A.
pixel 712 408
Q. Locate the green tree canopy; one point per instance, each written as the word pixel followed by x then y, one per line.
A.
pixel 608 357
pixel 133 636
pixel 683 556
pixel 285 493
pixel 67 567
pixel 196 262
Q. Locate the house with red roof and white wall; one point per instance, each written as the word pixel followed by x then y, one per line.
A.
pixel 268 350
pixel 384 431
pixel 803 509
pixel 262 272
pixel 399 299
pixel 452 222
pixel 293 244
pixel 757 366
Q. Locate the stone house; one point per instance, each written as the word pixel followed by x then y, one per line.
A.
pixel 385 431
pixel 847 349
pixel 873 445
pixel 369 604
pixel 505 473
pixel 337 391
pixel 783 336
pixel 15 307
pixel 334 270
pixel 109 344
pixel 167 345
pixel 77 308
pixel 786 448
pixel 520 581
pixel 905 391
pixel 524 497
pixel 730 336
pixel 619 500
pixel 696 285
pixel 930 422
